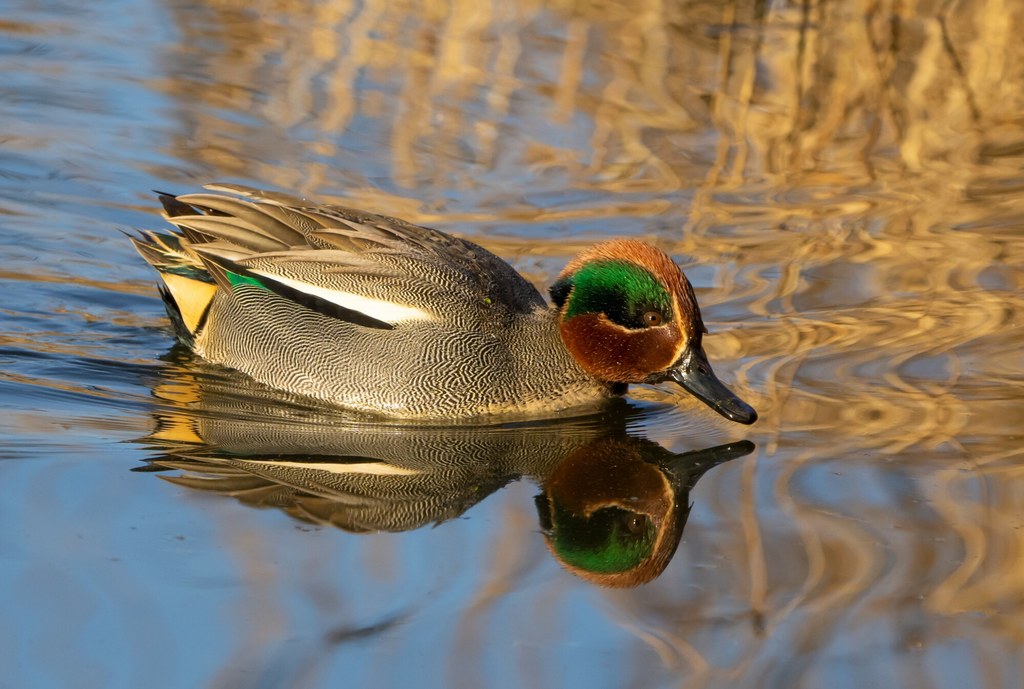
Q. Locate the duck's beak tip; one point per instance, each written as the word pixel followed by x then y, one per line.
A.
pixel 744 413
pixel 693 373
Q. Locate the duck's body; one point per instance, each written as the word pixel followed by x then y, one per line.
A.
pixel 375 314
pixel 507 364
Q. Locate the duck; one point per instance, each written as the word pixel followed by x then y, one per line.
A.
pixel 377 315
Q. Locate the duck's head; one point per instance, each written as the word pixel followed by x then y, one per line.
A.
pixel 627 314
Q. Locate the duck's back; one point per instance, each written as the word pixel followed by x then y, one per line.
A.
pixel 360 310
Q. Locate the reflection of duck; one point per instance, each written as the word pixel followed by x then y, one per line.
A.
pixel 612 510
pixel 375 314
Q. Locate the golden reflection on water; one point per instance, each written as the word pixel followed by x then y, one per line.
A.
pixel 844 177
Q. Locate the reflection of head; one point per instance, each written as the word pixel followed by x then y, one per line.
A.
pixel 610 515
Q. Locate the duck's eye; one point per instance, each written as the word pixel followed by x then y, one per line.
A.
pixel 653 318
pixel 635 524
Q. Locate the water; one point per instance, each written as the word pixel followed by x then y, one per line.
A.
pixel 842 183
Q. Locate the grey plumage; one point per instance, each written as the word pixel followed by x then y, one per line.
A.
pixel 364 311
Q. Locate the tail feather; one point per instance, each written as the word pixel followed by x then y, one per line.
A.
pixel 188 287
pixel 260 218
pixel 231 230
pixel 173 207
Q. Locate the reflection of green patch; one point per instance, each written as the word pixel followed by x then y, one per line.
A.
pixel 602 542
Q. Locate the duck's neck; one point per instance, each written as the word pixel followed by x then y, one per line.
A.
pixel 547 365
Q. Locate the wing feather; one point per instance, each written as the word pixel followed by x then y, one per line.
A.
pixel 230 274
pixel 366 268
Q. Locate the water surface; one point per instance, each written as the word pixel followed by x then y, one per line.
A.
pixel 842 183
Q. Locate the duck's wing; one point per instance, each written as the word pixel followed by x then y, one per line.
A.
pixel 368 269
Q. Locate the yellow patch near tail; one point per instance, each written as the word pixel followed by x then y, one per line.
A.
pixel 191 296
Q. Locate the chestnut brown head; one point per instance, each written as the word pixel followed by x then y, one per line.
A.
pixel 627 314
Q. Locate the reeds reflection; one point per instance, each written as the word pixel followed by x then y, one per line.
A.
pixel 612 508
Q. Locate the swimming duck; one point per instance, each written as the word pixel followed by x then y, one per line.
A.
pixel 375 314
